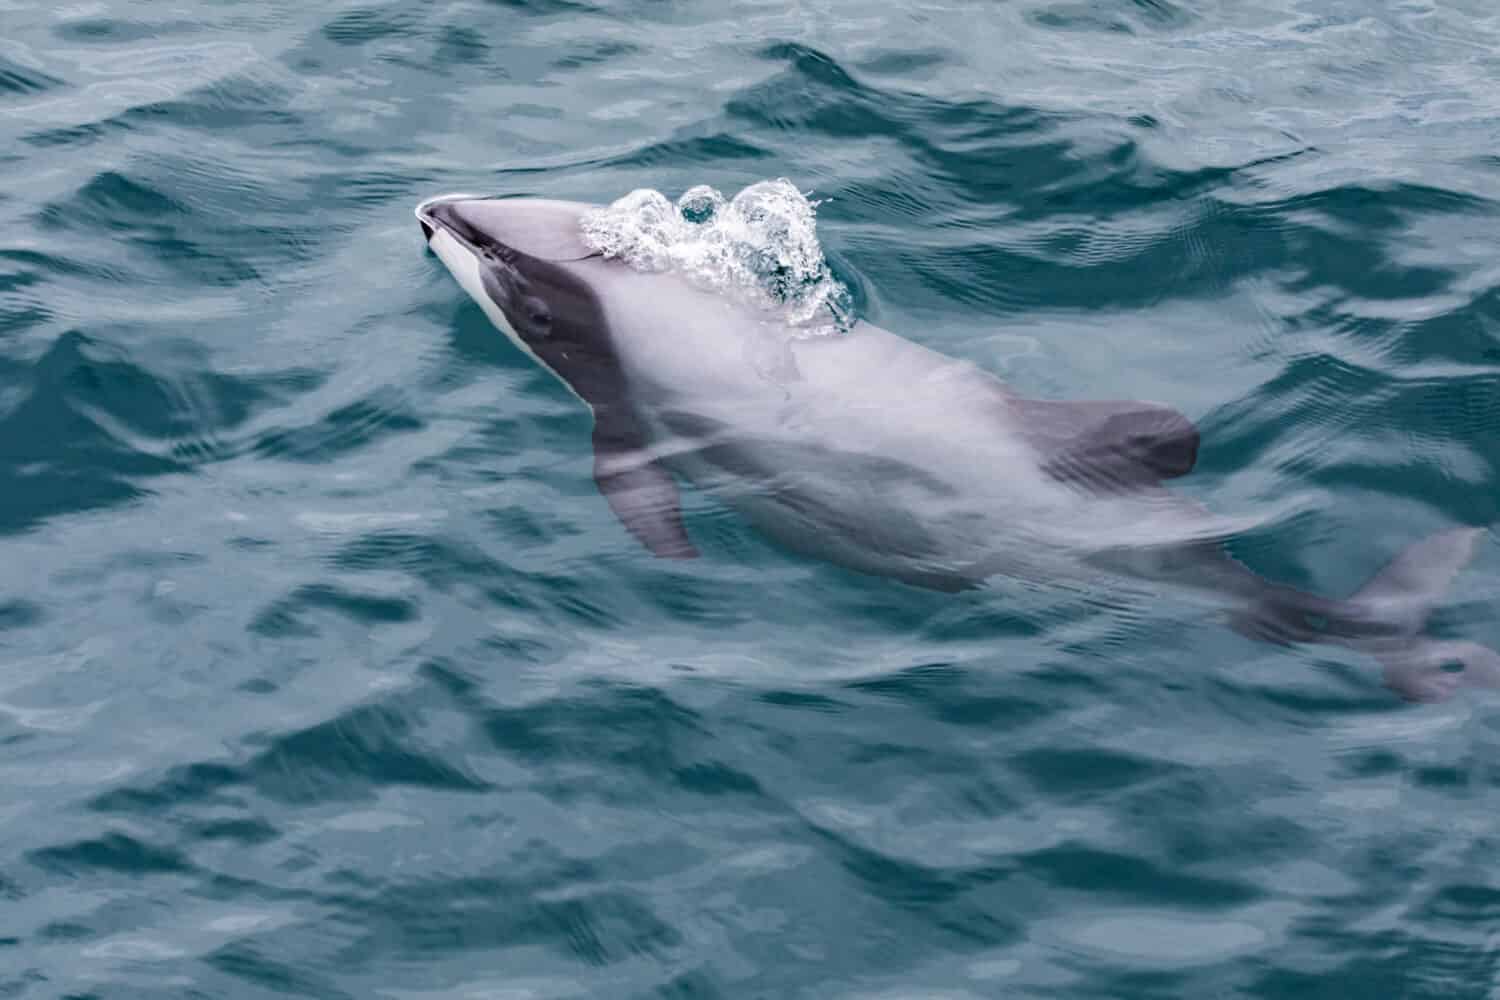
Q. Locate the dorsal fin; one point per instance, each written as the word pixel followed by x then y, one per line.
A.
pixel 1109 444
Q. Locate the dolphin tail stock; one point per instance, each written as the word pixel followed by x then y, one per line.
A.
pixel 1387 618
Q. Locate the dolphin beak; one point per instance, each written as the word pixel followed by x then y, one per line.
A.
pixel 429 212
pixel 537 227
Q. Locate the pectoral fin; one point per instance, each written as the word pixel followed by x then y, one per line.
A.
pixel 642 494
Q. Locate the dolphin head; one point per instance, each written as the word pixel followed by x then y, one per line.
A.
pixel 513 257
pixel 538 227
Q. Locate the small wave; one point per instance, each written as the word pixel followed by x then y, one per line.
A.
pixel 17 79
pixel 760 248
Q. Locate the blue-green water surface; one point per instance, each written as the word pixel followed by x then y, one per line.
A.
pixel 326 672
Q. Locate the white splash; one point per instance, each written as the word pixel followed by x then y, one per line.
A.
pixel 760 248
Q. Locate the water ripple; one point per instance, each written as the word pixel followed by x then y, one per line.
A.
pixel 325 671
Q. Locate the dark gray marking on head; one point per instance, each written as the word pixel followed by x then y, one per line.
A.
pixel 554 312
pixel 558 317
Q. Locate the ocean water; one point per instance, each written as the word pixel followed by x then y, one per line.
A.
pixel 326 672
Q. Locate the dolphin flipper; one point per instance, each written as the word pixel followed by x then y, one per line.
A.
pixel 642 494
pixel 1107 444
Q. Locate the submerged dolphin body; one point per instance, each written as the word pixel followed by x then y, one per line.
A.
pixel 875 453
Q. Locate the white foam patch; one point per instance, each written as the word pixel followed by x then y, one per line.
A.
pixel 759 248
pixel 1164 939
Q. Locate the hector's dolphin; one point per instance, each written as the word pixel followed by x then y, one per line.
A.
pixel 873 452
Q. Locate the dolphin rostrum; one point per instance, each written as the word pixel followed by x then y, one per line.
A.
pixel 878 454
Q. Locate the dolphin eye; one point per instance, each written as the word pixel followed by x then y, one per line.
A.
pixel 537 311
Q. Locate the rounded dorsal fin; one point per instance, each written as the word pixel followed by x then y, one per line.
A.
pixel 1109 443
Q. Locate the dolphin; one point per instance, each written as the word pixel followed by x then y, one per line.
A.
pixel 878 454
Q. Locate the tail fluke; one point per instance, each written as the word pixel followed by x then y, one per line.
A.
pixel 1403 594
pixel 1433 669
pixel 1387 618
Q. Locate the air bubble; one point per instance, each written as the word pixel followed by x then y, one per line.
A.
pixel 700 204
pixel 760 248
